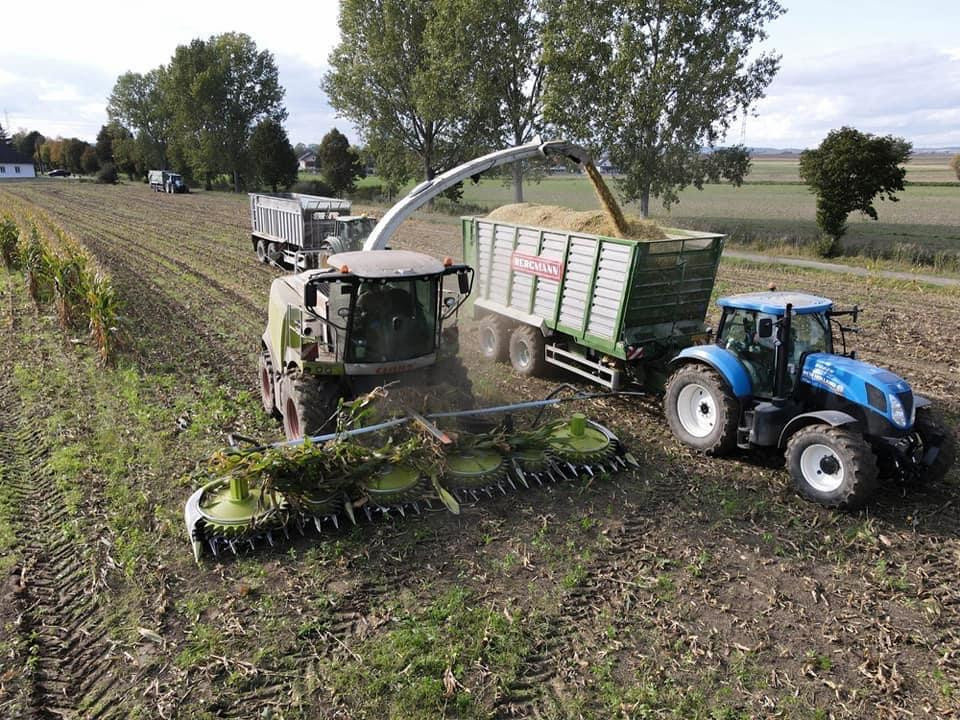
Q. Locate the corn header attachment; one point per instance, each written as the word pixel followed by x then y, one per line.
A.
pixel 259 494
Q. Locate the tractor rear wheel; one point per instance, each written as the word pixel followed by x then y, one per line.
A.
pixel 832 466
pixel 701 410
pixel 527 351
pixel 495 338
pixel 308 405
pixel 268 385
pixel 272 250
pixel 935 434
pixel 261 248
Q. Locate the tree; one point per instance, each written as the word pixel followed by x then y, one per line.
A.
pixel 89 162
pixel 339 163
pixel 72 155
pixel 29 144
pixel 219 89
pixel 416 78
pixel 139 102
pixel 847 171
pixel 3 136
pixel 654 82
pixel 520 77
pixel 274 161
pixel 955 164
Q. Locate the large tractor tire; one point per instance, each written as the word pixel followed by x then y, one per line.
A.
pixel 495 338
pixel 307 405
pixel 268 385
pixel 527 351
pixel 701 410
pixel 261 248
pixel 832 466
pixel 934 433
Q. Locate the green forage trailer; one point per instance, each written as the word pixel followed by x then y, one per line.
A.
pixel 615 311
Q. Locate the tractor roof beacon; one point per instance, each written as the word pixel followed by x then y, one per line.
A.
pixel 774 378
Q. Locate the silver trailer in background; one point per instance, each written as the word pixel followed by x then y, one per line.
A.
pixel 301 231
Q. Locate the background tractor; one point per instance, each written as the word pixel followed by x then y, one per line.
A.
pixel 773 379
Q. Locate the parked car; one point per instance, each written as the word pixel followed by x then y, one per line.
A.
pixel 59 173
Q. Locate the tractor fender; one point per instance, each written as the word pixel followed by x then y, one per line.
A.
pixel 834 418
pixel 721 360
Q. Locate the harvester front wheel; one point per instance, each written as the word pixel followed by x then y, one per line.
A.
pixel 934 433
pixel 495 338
pixel 307 405
pixel 832 466
pixel 701 410
pixel 527 351
pixel 268 385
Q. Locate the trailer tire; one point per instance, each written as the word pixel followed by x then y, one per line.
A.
pixel 832 466
pixel 308 403
pixel 495 338
pixel 527 351
pixel 261 249
pixel 701 410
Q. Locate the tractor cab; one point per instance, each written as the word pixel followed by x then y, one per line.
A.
pixel 771 333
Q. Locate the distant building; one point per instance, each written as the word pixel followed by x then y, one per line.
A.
pixel 14 165
pixel 308 161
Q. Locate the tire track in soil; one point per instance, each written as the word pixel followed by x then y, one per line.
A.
pixel 73 670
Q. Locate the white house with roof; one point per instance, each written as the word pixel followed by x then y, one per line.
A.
pixel 308 161
pixel 14 165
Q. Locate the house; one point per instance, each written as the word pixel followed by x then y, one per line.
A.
pixel 308 161
pixel 13 164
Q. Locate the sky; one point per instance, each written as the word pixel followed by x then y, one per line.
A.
pixel 883 67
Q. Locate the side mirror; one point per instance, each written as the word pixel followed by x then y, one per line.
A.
pixel 464 283
pixel 310 295
pixel 765 328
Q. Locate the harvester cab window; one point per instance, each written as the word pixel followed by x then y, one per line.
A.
pixel 741 336
pixel 394 320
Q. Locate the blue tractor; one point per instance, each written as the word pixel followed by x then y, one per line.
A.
pixel 773 379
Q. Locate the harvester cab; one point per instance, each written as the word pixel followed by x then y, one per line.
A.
pixel 773 379
pixel 366 317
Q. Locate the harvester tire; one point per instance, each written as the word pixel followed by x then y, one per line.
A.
pixel 495 338
pixel 832 466
pixel 308 404
pixel 701 410
pixel 268 385
pixel 935 433
pixel 527 351
pixel 261 248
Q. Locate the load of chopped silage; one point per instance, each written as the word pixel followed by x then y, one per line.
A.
pixel 555 217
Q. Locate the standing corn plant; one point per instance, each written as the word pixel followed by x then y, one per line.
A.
pixel 36 262
pixel 9 238
pixel 67 273
pixel 103 306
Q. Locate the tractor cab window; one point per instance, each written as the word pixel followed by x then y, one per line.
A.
pixel 393 320
pixel 808 334
pixel 740 335
pixel 357 230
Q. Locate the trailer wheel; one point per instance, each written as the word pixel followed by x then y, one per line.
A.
pixel 832 466
pixel 701 410
pixel 261 248
pixel 307 405
pixel 934 433
pixel 495 338
pixel 527 351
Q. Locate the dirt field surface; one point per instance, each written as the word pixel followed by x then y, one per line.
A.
pixel 690 588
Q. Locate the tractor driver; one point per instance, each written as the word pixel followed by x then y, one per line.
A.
pixel 758 354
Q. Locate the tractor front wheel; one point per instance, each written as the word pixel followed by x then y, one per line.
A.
pixel 527 351
pixel 495 338
pixel 934 433
pixel 701 410
pixel 832 466
pixel 308 405
pixel 261 251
